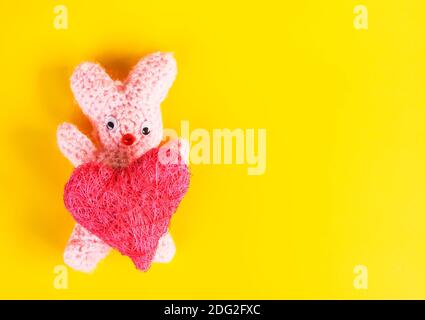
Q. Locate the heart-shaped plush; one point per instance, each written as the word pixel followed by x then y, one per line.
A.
pixel 128 208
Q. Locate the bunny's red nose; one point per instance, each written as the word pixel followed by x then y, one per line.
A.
pixel 128 139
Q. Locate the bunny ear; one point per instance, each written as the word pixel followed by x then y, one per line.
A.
pixel 151 79
pixel 92 88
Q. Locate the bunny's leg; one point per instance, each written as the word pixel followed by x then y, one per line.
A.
pixel 84 250
pixel 166 249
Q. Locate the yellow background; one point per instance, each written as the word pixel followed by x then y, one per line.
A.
pixel 344 111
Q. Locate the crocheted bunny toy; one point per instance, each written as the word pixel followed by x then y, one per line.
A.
pixel 120 194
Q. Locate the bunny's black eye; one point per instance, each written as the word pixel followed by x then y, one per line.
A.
pixel 145 131
pixel 111 123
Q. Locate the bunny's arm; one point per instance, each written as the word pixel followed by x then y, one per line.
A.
pixel 178 148
pixel 74 144
pixel 166 247
pixel 84 250
pixel 183 146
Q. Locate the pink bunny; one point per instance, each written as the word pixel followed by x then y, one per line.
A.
pixel 127 122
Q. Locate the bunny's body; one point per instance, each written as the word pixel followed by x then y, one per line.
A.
pixel 127 122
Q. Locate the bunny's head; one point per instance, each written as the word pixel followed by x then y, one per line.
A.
pixel 126 115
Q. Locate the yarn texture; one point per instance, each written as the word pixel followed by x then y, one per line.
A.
pixel 127 124
pixel 128 208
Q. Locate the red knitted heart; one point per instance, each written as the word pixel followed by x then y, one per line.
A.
pixel 128 208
